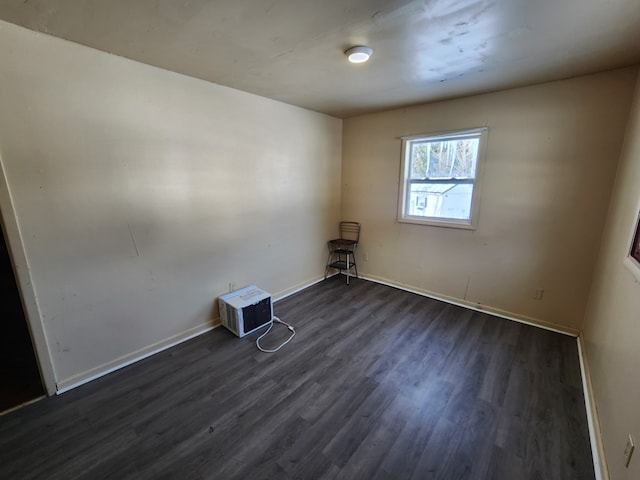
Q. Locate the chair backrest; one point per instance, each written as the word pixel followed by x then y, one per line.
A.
pixel 350 231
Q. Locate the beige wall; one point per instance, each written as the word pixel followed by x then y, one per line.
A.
pixel 612 323
pixel 550 163
pixel 140 194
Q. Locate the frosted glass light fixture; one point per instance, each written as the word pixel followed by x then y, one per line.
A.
pixel 358 54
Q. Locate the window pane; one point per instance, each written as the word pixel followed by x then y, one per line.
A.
pixel 444 158
pixel 419 159
pixel 440 200
pixel 466 157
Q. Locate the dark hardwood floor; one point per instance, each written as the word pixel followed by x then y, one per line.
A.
pixel 377 384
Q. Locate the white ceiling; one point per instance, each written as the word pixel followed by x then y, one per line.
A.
pixel 292 50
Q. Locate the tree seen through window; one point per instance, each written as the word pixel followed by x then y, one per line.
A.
pixel 444 159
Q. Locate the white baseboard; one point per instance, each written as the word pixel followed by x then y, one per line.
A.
pixel 476 306
pixel 109 367
pixel 126 360
pixel 297 288
pixel 597 448
pixel 23 404
pixel 595 435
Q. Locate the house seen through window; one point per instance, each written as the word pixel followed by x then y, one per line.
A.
pixel 440 178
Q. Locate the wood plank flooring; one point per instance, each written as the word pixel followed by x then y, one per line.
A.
pixel 377 384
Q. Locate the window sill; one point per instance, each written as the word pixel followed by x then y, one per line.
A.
pixel 432 222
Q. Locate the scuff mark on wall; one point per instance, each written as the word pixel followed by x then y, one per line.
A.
pixel 133 240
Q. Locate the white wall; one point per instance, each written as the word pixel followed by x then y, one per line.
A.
pixel 612 323
pixel 550 163
pixel 140 194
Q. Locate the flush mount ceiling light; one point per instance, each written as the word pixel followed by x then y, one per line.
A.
pixel 358 54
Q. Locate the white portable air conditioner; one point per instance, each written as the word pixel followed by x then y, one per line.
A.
pixel 246 310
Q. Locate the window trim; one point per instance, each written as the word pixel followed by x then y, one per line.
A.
pixel 630 261
pixel 471 224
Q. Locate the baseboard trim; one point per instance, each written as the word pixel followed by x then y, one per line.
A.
pixel 131 358
pixel 295 289
pixel 597 448
pixel 476 306
pixel 595 435
pixel 23 404
pixel 126 360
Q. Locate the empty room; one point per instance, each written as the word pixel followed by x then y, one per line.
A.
pixel 285 239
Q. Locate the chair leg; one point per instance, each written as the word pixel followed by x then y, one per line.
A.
pixel 346 259
pixel 326 270
pixel 355 265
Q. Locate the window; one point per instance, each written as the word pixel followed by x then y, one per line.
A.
pixel 635 245
pixel 440 178
pixel 632 261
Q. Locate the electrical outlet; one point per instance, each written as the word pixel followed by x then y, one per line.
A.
pixel 232 286
pixel 628 451
pixel 365 257
pixel 537 295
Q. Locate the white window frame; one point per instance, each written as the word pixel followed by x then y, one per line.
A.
pixel 481 133
pixel 629 261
